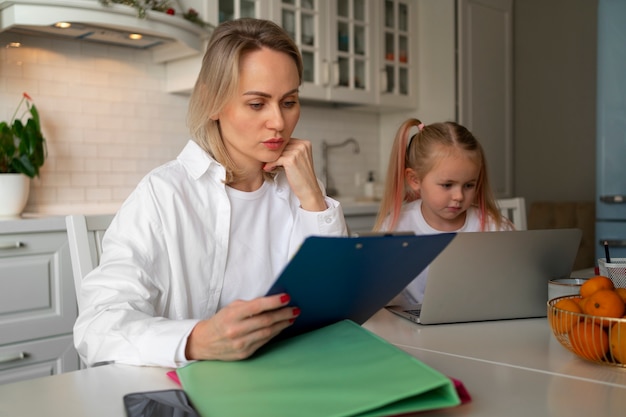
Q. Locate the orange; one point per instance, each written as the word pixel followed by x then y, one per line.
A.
pixel 617 336
pixel 622 293
pixel 589 340
pixel 563 317
pixel 593 284
pixel 605 303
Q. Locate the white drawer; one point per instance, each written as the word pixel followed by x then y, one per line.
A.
pixel 37 358
pixel 37 296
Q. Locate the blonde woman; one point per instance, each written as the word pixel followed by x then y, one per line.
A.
pixel 192 251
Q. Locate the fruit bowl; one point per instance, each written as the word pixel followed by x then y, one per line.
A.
pixel 593 338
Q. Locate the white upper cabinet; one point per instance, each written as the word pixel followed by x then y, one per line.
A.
pixel 336 40
pixel 397 83
pixel 355 52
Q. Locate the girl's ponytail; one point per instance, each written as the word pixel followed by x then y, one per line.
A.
pixel 396 191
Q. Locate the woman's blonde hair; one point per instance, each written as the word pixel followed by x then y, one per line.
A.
pixel 421 152
pixel 219 78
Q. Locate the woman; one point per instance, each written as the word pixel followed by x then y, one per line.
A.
pixel 191 252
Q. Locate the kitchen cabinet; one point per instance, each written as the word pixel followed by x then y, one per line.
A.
pixel 348 58
pixel 37 300
pixel 360 216
pixel 485 80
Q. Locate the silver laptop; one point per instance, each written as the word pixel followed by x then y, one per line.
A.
pixel 494 276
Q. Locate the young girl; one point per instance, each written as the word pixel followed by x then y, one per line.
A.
pixel 437 182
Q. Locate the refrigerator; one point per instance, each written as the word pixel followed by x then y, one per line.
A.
pixel 611 129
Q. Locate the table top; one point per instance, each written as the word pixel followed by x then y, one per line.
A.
pixel 510 368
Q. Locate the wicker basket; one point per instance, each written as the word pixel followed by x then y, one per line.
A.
pixel 593 338
pixel 616 270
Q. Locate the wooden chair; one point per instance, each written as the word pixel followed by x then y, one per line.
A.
pixel 85 241
pixel 515 210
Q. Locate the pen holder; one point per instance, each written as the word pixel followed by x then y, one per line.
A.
pixel 615 270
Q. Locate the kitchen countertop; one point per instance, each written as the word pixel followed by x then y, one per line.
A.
pixel 53 217
pixel 32 224
pixel 355 207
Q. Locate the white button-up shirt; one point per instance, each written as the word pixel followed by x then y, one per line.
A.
pixel 165 256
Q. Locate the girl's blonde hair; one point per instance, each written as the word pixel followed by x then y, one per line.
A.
pixel 421 152
pixel 219 78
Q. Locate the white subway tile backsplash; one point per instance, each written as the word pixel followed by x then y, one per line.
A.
pixel 71 194
pixel 84 179
pixel 108 122
pixel 98 194
pixel 97 165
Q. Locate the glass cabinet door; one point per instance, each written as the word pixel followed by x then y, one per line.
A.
pixel 302 19
pixel 234 9
pixel 335 39
pixel 351 44
pixel 398 62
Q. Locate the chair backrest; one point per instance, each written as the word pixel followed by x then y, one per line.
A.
pixel 515 210
pixel 85 240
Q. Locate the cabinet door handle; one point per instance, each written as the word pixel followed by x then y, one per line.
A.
pixel 10 357
pixel 383 81
pixel 335 74
pixel 12 245
pixel 613 199
pixel 325 73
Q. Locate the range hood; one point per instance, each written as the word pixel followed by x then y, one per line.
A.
pixel 168 37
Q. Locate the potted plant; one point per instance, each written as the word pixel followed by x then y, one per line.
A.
pixel 22 153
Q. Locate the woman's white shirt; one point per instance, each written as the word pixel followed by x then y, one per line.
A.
pixel 412 220
pixel 167 253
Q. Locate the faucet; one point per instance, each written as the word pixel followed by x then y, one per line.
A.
pixel 330 189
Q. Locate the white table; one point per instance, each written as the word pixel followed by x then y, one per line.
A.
pixel 511 368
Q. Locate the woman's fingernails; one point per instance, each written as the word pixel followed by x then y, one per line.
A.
pixel 285 298
pixel 295 311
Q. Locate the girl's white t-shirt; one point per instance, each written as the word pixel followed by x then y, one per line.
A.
pixel 412 220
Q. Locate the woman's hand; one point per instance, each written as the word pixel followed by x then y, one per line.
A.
pixel 240 328
pixel 297 161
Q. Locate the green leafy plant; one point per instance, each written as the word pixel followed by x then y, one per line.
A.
pixel 22 146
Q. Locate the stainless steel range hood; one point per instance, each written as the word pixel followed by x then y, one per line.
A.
pixel 168 37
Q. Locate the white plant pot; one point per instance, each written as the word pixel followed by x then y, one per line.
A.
pixel 14 189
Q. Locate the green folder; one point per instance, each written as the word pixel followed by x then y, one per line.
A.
pixel 338 370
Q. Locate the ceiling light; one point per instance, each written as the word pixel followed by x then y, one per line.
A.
pixel 14 45
pixel 62 25
pixel 135 36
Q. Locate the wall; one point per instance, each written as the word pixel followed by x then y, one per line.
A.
pixel 108 122
pixel 555 99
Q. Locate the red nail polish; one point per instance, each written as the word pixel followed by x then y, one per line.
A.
pixel 292 320
pixel 285 298
pixel 296 311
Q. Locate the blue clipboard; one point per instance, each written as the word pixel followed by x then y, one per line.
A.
pixel 338 278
